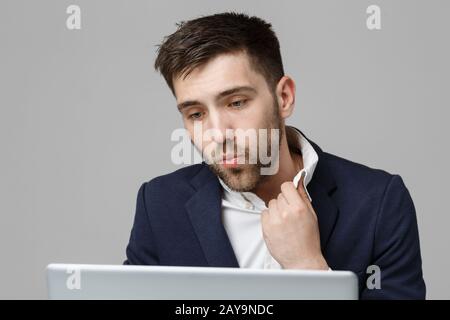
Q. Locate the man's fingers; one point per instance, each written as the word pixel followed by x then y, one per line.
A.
pixel 272 205
pixel 282 203
pixel 290 194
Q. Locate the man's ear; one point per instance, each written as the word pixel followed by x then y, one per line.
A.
pixel 285 93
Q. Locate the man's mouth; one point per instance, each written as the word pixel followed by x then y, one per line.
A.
pixel 230 161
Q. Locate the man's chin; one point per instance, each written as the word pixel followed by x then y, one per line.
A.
pixel 241 178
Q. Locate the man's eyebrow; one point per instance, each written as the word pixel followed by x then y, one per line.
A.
pixel 219 96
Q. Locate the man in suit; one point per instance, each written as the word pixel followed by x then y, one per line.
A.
pixel 314 211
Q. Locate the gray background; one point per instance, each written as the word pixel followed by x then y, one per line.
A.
pixel 84 119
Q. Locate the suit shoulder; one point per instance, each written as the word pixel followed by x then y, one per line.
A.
pixel 179 175
pixel 357 176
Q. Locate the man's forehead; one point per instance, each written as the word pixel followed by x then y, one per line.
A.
pixel 211 78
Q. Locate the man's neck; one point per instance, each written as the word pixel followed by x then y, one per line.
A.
pixel 290 163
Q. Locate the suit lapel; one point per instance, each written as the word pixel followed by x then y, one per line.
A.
pixel 321 188
pixel 205 212
pixel 326 211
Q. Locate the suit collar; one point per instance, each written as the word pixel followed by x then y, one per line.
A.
pixel 205 210
pixel 323 175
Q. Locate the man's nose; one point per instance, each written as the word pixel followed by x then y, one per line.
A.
pixel 220 124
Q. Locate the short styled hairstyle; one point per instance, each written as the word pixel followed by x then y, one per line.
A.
pixel 197 41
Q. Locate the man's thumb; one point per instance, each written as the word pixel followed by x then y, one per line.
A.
pixel 301 188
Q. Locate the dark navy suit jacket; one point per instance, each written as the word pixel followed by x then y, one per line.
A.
pixel 366 217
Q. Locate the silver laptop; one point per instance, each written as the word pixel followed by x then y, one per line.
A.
pixel 77 281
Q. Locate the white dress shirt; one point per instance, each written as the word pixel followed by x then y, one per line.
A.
pixel 241 215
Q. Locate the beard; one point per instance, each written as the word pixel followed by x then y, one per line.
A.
pixel 247 176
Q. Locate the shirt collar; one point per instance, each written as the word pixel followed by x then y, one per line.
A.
pixel 310 159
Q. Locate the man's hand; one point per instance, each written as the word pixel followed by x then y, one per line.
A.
pixel 291 230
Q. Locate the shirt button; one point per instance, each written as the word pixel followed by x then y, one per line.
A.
pixel 248 205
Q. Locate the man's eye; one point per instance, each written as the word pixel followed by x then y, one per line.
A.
pixel 238 104
pixel 195 115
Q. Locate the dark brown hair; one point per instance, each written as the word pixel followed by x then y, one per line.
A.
pixel 197 41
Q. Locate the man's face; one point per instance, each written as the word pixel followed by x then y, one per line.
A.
pixel 208 105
